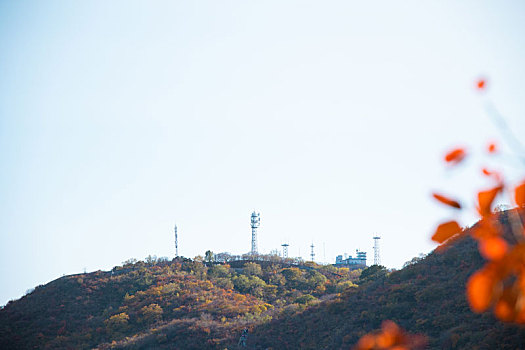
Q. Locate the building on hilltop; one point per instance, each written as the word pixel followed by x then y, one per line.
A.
pixel 354 263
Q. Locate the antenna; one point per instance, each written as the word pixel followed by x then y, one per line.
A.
pixel 285 250
pixel 377 259
pixel 312 254
pixel 176 243
pixel 255 223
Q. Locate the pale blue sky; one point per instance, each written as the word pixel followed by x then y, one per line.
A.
pixel 118 119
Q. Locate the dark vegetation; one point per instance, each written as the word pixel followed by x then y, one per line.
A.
pixel 200 304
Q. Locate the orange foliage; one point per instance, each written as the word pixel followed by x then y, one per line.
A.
pixel 493 248
pixel 496 175
pixel 500 284
pixel 481 84
pixel 519 194
pixel 480 289
pixel 485 229
pixel 447 201
pixel 485 199
pixel 455 156
pixel 392 337
pixel 446 230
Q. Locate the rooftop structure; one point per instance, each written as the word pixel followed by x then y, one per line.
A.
pixel 358 262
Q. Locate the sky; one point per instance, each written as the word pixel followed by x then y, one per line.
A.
pixel 120 119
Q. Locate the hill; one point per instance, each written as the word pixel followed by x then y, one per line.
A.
pixel 190 303
pixel 193 304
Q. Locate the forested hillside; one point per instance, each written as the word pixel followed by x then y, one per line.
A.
pixel 198 304
pixel 187 303
pixel 426 297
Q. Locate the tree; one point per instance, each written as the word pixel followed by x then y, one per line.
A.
pixel 117 323
pixel 252 269
pixel 314 279
pixel 208 256
pixel 344 285
pixel 305 299
pixel 294 277
pixel 151 313
pixel 129 262
pixel 151 259
pixel 372 273
pixel 219 271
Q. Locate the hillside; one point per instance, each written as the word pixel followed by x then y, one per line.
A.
pixel 426 297
pixel 193 304
pixel 190 303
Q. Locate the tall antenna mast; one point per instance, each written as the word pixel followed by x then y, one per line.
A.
pixel 377 259
pixel 176 243
pixel 255 223
pixel 285 250
pixel 312 254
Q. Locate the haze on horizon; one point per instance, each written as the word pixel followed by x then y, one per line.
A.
pixel 120 119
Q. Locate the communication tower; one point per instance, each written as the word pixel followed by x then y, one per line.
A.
pixel 255 223
pixel 176 243
pixel 312 254
pixel 285 250
pixel 377 259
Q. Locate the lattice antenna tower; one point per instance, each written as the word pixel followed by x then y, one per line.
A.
pixel 255 223
pixel 312 254
pixel 377 258
pixel 285 250
pixel 176 243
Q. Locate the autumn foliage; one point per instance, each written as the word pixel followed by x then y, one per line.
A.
pixel 392 337
pixel 159 303
pixel 455 156
pixel 446 230
pixel 448 201
pixel 481 84
pixel 500 284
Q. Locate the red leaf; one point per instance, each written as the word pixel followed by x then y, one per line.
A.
pixel 485 229
pixel 493 248
pixel 447 201
pixel 485 199
pixel 504 311
pixel 480 287
pixel 481 84
pixel 455 156
pixel 492 148
pixel 366 342
pixel 495 174
pixel 519 194
pixel 446 230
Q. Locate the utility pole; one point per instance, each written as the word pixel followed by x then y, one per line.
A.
pixel 176 243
